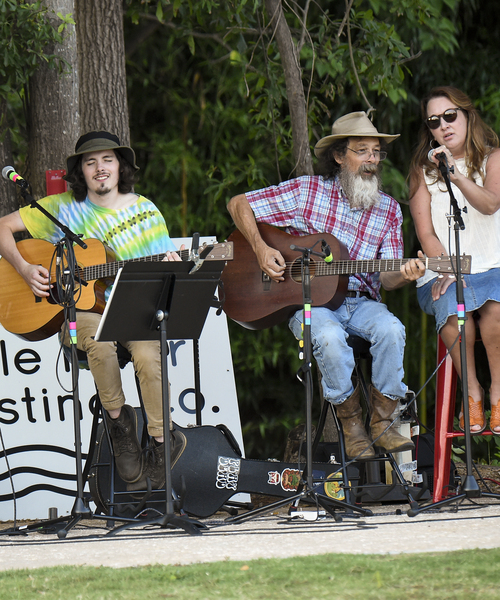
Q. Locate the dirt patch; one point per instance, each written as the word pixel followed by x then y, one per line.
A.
pixel 487 476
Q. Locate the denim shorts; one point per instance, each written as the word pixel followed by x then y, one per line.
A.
pixel 481 287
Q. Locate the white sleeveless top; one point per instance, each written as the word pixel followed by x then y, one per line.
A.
pixel 481 236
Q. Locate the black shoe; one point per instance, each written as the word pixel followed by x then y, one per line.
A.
pixel 126 448
pixel 154 468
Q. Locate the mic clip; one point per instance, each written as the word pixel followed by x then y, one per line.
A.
pixel 197 257
pixel 325 253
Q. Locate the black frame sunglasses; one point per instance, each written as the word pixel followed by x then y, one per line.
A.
pixel 450 115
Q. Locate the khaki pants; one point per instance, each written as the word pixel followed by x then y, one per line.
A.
pixel 103 364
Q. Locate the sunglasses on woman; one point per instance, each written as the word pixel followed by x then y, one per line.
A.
pixel 450 115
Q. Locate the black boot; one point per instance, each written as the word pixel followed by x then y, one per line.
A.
pixel 356 440
pixel 154 468
pixel 126 448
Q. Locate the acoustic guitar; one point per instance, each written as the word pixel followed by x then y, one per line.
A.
pixel 34 318
pixel 256 302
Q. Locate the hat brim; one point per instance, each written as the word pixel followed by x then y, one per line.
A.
pixel 328 140
pixel 126 152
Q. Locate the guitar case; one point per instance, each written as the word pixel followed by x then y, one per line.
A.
pixel 207 474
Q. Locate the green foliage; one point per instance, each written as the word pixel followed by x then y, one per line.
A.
pixel 26 33
pixel 485 448
pixel 209 119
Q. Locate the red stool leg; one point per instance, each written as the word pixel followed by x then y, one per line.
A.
pixel 446 389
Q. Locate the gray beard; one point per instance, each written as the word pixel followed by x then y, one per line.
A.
pixel 361 191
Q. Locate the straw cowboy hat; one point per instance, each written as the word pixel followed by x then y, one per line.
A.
pixel 95 141
pixel 356 124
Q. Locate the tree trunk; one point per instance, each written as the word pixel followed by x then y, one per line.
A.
pixel 9 198
pixel 294 87
pixel 101 65
pixel 53 117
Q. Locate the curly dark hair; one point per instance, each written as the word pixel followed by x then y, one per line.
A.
pixel 327 166
pixel 78 186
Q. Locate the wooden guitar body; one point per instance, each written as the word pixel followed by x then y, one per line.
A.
pixel 34 318
pixel 257 302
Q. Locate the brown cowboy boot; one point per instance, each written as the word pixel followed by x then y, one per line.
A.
pixel 357 443
pixel 391 440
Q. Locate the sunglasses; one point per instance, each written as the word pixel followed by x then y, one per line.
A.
pixel 449 116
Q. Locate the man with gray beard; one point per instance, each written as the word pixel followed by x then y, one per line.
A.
pixel 345 201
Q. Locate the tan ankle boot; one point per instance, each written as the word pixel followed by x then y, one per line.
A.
pixel 391 440
pixel 356 440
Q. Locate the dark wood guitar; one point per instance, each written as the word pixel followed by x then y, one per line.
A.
pixel 34 318
pixel 256 302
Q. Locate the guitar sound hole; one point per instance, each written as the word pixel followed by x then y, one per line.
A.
pixel 296 270
pixel 54 296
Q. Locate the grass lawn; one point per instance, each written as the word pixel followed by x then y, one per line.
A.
pixel 464 574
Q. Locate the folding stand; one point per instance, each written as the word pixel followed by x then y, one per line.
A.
pixel 311 490
pixel 469 486
pixel 161 300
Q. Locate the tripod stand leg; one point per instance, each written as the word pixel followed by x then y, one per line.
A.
pixel 167 521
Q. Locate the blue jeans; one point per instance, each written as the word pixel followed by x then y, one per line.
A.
pixel 369 320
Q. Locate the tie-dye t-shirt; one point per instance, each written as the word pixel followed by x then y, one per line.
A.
pixel 132 232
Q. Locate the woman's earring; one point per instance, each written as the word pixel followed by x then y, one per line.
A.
pixel 431 144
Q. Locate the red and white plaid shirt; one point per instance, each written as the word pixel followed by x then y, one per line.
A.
pixel 313 204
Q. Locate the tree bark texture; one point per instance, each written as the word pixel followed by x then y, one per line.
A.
pixel 53 119
pixel 294 87
pixel 101 66
pixel 9 201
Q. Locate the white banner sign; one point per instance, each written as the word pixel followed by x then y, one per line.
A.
pixel 37 455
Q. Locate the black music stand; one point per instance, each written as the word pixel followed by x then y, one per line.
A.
pixel 161 301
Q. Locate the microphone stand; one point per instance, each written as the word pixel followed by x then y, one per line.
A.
pixel 309 489
pixel 68 277
pixel 470 487
pixel 80 509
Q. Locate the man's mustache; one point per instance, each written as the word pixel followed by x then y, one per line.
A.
pixel 368 169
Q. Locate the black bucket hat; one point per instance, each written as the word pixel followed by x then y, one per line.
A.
pixel 99 140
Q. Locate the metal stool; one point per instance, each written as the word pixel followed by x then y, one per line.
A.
pixel 371 486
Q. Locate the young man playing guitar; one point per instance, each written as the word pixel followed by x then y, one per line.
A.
pixel 102 205
pixel 345 201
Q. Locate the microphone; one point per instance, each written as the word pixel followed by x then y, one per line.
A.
pixel 327 251
pixel 9 173
pixel 441 156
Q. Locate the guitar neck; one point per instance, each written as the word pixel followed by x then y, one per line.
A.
pixel 381 265
pixel 110 269
pixel 350 267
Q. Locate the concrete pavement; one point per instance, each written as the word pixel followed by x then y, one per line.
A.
pixel 389 531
